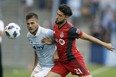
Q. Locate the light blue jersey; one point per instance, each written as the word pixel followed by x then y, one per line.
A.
pixel 44 51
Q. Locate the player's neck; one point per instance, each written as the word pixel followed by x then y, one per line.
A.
pixel 35 32
pixel 61 25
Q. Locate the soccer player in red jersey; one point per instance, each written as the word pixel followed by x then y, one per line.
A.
pixel 70 59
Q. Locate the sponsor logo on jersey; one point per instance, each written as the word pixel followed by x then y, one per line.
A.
pixel 38 47
pixel 78 31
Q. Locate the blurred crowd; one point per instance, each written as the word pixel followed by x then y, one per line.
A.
pixel 100 13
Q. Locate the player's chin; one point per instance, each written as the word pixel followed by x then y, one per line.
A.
pixel 31 31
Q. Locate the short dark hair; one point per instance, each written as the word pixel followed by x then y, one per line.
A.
pixel 30 15
pixel 65 9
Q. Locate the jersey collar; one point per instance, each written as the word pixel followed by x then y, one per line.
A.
pixel 38 31
pixel 60 26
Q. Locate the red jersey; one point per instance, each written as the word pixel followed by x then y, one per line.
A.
pixel 65 38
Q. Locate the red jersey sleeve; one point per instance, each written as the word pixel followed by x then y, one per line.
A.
pixel 74 33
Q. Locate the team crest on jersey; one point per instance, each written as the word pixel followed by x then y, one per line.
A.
pixel 61 34
pixel 61 41
pixel 78 31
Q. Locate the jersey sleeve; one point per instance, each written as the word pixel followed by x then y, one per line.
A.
pixel 74 33
pixel 51 34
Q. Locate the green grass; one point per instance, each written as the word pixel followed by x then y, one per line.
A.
pixel 11 72
pixel 16 72
pixel 111 72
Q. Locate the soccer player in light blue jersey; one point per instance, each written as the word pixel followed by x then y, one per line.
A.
pixel 43 52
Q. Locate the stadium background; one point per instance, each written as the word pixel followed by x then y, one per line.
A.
pixel 17 54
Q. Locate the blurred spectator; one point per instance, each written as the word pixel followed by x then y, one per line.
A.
pixel 85 9
pixel 75 6
pixel 1 33
pixel 94 7
pixel 49 4
pixel 63 1
pixel 107 16
pixel 23 5
pixel 45 4
pixel 27 5
pixel 97 31
pixel 104 3
pixel 113 35
pixel 113 5
pixel 42 4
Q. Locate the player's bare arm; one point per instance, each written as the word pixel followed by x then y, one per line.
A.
pixel 1 33
pixel 36 60
pixel 93 39
pixel 47 40
pixel 55 56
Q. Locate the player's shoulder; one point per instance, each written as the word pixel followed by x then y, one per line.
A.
pixel 29 35
pixel 69 25
pixel 45 30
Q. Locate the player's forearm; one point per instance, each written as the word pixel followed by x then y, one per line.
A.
pixel 93 39
pixel 1 33
pixel 48 40
pixel 55 56
pixel 35 63
pixel 36 60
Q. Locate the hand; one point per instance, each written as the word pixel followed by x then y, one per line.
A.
pixel 47 40
pixel 109 46
pixel 1 33
pixel 55 57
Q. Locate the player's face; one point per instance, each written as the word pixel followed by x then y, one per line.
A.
pixel 32 25
pixel 60 17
